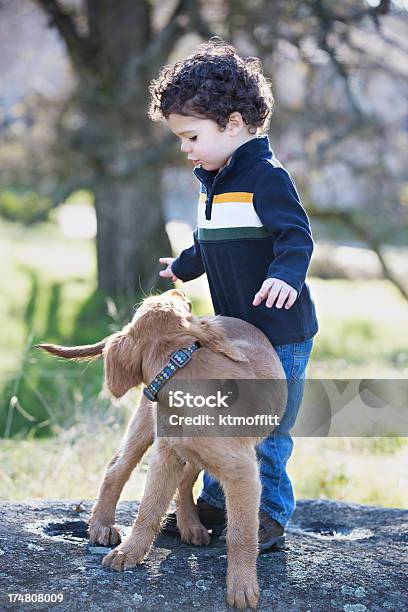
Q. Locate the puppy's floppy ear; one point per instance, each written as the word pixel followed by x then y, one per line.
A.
pixel 210 332
pixel 123 367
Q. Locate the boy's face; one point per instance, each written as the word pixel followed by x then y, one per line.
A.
pixel 204 142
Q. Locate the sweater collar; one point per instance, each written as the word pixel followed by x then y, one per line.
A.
pixel 243 156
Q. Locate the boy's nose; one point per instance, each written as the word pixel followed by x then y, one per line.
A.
pixel 185 147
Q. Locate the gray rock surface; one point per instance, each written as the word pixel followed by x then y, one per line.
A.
pixel 337 557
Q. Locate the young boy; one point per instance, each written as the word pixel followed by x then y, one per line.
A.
pixel 253 238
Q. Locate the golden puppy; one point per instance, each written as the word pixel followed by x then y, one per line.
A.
pixel 230 349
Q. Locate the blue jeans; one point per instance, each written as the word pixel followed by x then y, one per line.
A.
pixel 273 452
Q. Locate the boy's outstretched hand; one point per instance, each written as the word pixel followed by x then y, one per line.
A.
pixel 276 289
pixel 168 272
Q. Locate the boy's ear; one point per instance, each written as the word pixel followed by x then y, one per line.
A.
pixel 122 364
pixel 210 332
pixel 235 122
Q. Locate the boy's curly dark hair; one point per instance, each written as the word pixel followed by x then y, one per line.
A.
pixel 212 83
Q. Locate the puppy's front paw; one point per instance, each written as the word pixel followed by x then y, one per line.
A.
pixel 243 593
pixel 194 533
pixel 125 556
pixel 103 535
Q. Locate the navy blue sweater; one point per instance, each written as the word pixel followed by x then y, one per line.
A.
pixel 252 226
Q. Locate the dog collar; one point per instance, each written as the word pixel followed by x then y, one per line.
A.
pixel 177 360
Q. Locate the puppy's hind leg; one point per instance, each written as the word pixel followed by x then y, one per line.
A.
pixel 188 523
pixel 163 476
pixel 139 436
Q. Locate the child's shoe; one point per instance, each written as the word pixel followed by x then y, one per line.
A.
pixel 211 517
pixel 271 533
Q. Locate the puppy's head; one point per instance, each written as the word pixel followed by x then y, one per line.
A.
pixel 132 352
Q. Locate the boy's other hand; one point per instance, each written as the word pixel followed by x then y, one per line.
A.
pixel 275 289
pixel 168 272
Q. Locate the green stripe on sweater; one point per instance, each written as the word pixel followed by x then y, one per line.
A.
pixel 230 233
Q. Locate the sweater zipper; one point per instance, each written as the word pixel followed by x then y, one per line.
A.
pixel 209 198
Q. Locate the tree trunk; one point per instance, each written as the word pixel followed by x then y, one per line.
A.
pixel 114 62
pixel 131 235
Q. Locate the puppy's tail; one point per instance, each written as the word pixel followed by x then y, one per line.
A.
pixel 79 353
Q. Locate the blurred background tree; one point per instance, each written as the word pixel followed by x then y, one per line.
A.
pixel 338 73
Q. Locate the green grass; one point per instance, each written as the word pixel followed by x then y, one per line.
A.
pixel 40 268
pixel 357 470
pixel 65 431
pixel 360 330
pixel 71 464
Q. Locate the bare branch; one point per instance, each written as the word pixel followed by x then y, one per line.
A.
pixel 349 220
pixel 355 16
pixel 77 47
pixel 199 24
pixel 162 44
pixel 326 19
pixel 186 14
